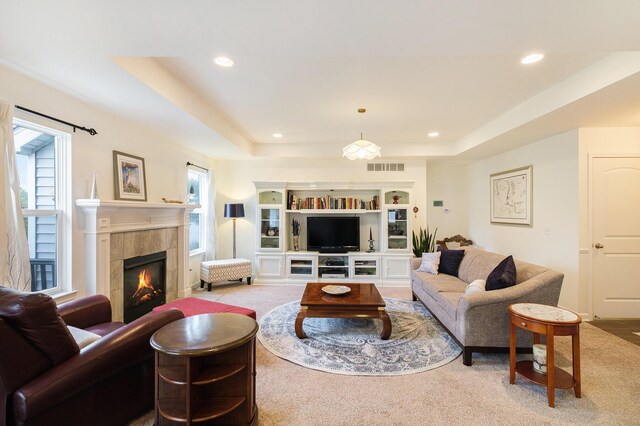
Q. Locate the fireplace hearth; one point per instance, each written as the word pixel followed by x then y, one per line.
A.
pixel 144 284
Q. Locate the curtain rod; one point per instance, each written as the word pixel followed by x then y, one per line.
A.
pixel 91 131
pixel 189 163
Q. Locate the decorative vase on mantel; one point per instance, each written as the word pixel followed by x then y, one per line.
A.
pixel 94 188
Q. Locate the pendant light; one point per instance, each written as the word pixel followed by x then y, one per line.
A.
pixel 361 149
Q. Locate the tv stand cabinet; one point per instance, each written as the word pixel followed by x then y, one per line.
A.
pixel 352 266
pixel 385 216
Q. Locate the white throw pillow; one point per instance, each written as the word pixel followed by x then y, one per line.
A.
pixel 476 286
pixel 430 262
pixel 83 337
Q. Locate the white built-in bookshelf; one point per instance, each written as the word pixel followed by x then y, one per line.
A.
pixel 383 209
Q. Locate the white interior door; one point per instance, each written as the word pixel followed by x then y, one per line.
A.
pixel 616 236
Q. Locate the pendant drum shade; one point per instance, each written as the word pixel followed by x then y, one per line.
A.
pixel 234 210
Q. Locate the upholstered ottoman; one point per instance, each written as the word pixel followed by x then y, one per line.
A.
pixel 193 306
pixel 224 270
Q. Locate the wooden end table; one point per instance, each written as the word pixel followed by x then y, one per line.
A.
pixel 550 321
pixel 206 370
pixel 363 301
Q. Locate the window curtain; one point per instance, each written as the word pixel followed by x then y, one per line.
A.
pixel 15 268
pixel 211 225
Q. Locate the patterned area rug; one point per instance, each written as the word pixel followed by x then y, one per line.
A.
pixel 353 346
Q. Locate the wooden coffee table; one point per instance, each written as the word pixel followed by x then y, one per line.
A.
pixel 363 301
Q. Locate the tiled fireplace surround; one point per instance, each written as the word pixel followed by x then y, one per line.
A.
pixel 118 230
pixel 125 245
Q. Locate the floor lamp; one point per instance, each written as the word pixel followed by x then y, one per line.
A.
pixel 234 211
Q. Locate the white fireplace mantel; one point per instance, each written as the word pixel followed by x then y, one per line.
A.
pixel 101 218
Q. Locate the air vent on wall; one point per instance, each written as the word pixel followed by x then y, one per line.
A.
pixel 385 167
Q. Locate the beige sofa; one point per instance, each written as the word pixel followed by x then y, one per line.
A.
pixel 480 321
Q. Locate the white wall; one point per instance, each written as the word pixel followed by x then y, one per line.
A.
pixel 234 183
pixel 552 241
pixel 592 141
pixel 165 161
pixel 449 185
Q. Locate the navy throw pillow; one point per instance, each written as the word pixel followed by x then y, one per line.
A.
pixel 503 276
pixel 450 262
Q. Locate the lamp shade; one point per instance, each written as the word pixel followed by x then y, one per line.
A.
pixel 361 149
pixel 234 210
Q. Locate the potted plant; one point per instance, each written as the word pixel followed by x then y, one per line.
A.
pixel 424 241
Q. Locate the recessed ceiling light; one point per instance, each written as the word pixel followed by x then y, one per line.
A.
pixel 433 134
pixel 531 59
pixel 223 61
pixel 277 135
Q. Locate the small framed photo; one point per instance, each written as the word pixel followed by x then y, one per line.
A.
pixel 512 196
pixel 129 177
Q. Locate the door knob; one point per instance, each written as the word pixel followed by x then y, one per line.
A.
pixel 599 246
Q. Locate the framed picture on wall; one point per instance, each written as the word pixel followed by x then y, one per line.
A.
pixel 129 177
pixel 512 196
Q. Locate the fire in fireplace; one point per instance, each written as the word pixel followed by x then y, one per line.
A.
pixel 144 284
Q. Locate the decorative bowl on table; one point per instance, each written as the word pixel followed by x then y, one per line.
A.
pixel 336 289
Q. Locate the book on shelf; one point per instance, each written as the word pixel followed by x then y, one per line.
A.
pixel 295 202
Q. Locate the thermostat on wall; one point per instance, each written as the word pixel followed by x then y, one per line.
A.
pixel 437 203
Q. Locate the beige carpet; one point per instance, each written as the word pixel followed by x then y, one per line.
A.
pixel 288 394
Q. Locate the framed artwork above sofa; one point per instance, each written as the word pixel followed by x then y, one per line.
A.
pixel 512 196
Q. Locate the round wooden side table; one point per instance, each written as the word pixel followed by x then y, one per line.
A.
pixel 551 321
pixel 206 370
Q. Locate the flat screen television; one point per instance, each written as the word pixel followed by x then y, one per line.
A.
pixel 333 234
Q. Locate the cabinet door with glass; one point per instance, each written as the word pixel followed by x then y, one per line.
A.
pixel 301 266
pixel 364 266
pixel 397 227
pixel 270 220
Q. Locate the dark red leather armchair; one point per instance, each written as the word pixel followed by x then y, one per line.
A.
pixel 46 379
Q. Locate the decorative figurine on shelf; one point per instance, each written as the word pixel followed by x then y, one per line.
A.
pixel 371 249
pixel 396 198
pixel 295 234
